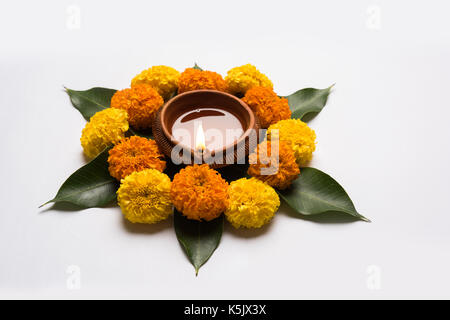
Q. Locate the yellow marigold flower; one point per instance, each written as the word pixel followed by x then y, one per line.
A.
pixel 162 78
pixel 253 203
pixel 134 154
pixel 144 196
pixel 105 128
pixel 267 106
pixel 243 78
pixel 298 135
pixel 199 192
pixel 194 79
pixel 277 169
pixel 141 102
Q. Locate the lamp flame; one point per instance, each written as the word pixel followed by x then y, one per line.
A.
pixel 200 138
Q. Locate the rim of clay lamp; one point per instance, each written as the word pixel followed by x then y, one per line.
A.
pixel 191 94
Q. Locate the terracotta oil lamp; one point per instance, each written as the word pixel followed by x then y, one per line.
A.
pixel 206 126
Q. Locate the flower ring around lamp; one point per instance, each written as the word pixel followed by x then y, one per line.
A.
pixel 207 102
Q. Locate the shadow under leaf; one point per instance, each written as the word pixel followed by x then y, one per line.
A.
pixel 63 207
pixel 330 217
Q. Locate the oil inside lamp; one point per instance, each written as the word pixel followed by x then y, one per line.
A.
pixel 207 128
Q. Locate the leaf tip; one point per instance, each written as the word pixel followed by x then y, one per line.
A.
pixel 68 91
pixel 44 204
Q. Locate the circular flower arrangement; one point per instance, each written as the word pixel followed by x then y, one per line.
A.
pixel 128 166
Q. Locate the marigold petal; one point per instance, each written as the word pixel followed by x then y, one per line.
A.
pixel 298 135
pixel 163 79
pixel 144 196
pixel 241 79
pixel 199 192
pixel 194 79
pixel 105 128
pixel 267 106
pixel 141 102
pixel 252 204
pixel 276 169
pixel 134 154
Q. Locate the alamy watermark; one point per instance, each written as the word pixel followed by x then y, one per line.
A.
pixel 373 281
pixel 73 20
pixel 202 148
pixel 373 17
pixel 73 281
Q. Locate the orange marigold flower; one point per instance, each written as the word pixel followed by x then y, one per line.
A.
pixel 277 169
pixel 194 79
pixel 199 192
pixel 141 102
pixel 134 154
pixel 267 106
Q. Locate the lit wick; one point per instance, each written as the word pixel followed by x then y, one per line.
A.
pixel 200 138
pixel 200 141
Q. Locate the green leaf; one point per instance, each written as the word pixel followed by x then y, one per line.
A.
pixel 197 67
pixel 307 100
pixel 199 239
pixel 315 192
pixel 91 101
pixel 90 186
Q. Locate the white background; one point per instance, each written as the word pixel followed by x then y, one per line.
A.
pixel 384 135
